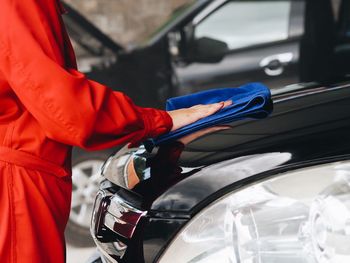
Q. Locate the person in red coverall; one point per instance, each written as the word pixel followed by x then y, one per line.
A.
pixel 46 107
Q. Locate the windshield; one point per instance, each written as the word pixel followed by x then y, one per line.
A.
pixel 99 29
pixel 171 18
pixel 130 22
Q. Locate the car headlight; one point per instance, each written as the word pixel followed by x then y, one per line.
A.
pixel 115 168
pixel 299 216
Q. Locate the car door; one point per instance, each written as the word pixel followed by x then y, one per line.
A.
pixel 262 39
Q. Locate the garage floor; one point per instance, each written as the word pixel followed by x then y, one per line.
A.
pixel 78 255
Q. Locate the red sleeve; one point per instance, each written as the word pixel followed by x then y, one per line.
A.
pixel 70 108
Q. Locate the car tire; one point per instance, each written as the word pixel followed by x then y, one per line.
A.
pixel 85 178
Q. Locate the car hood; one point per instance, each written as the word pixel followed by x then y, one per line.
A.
pixel 308 126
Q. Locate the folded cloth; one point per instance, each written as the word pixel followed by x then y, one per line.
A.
pixel 252 100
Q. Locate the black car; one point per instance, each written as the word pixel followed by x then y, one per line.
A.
pixel 208 44
pixel 271 190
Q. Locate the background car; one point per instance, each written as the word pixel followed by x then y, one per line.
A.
pixel 215 43
pixel 271 190
pixel 207 44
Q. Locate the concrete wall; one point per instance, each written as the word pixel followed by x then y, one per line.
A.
pixel 126 21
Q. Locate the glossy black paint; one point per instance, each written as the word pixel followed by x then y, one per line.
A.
pixel 309 126
pixel 157 233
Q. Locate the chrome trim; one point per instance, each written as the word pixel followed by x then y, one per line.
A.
pixel 100 207
pixel 122 218
pixel 109 252
pixel 283 59
pixel 114 168
pixel 112 214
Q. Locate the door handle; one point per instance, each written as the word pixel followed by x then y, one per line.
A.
pixel 274 65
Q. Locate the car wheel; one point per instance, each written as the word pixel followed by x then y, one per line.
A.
pixel 86 177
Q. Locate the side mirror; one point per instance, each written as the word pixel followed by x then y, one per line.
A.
pixel 206 50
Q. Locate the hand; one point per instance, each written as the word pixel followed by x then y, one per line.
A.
pixel 183 117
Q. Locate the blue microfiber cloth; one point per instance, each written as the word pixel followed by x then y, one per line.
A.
pixel 252 100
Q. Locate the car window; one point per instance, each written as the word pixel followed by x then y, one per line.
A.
pixel 246 23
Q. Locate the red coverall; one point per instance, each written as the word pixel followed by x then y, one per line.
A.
pixel 46 106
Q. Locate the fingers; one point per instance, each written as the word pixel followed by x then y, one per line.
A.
pixel 182 117
pixel 206 110
pixel 227 103
pixel 220 105
pixel 212 108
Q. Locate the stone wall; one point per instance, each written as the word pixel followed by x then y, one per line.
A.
pixel 126 21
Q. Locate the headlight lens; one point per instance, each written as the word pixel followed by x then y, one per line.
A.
pixel 115 168
pixel 300 216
